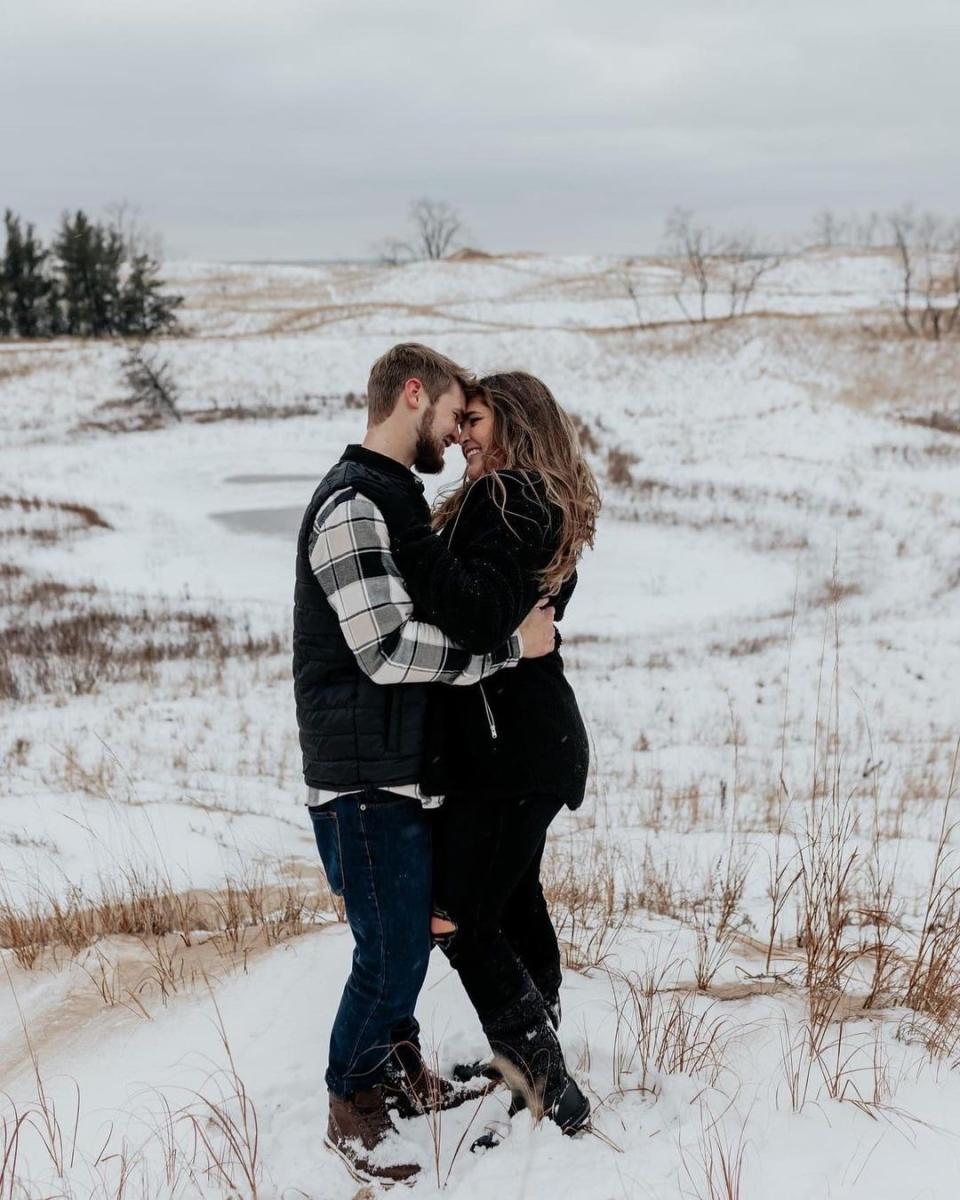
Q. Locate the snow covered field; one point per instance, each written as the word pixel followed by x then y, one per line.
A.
pixel 764 643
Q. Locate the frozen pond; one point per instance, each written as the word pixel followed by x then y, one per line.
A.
pixel 283 521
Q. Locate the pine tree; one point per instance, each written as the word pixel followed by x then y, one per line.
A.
pixel 150 383
pixel 74 252
pixel 26 284
pixel 54 323
pixel 108 256
pixel 7 326
pixel 6 316
pixel 144 309
pixel 94 284
pixel 90 258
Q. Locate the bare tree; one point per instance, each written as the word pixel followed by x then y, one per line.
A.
pixel 858 229
pixel 124 218
pixel 865 229
pixel 901 228
pixel 736 263
pixel 393 252
pixel 630 286
pixel 436 225
pixel 695 246
pixel 938 244
pixel 827 229
pixel 952 278
pixel 928 249
pixel 744 264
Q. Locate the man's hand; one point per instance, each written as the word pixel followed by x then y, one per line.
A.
pixel 538 632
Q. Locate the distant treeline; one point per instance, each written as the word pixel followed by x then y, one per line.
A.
pixel 92 282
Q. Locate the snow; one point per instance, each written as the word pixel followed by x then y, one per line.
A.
pixel 765 454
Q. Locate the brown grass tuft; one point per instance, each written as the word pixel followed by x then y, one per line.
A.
pixel 72 640
pixel 588 907
pixel 145 905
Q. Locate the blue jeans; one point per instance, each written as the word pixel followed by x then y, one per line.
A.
pixel 375 848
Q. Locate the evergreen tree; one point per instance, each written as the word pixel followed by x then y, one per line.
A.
pixel 73 250
pixel 26 284
pixel 7 326
pixel 90 258
pixel 108 259
pixel 6 316
pixel 150 383
pixel 55 324
pixel 144 309
pixel 95 283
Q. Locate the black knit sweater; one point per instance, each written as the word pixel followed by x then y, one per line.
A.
pixel 519 731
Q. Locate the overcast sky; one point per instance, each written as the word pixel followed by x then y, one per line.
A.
pixel 305 128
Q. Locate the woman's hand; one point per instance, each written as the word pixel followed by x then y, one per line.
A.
pixel 538 632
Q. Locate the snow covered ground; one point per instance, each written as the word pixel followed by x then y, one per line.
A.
pixel 764 643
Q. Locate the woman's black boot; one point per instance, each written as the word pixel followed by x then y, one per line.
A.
pixel 532 1063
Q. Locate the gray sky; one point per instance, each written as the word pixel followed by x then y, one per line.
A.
pixel 305 128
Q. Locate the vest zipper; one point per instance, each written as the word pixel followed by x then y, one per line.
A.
pixel 489 712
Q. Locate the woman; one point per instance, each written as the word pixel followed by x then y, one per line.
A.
pixel 507 754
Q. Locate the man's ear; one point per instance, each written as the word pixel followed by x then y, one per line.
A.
pixel 413 392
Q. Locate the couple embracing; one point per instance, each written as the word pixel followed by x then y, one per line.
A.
pixel 439 735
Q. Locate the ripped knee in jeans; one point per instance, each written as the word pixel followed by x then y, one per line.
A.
pixel 442 929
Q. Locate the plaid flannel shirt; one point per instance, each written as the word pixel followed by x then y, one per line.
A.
pixel 351 560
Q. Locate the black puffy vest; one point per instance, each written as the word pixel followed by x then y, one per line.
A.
pixel 352 732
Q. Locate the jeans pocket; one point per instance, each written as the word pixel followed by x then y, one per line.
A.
pixel 327 833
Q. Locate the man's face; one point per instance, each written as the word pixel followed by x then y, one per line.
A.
pixel 439 428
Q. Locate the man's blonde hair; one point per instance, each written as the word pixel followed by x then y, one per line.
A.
pixel 410 360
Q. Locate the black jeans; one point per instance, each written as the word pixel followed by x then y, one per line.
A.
pixel 486 869
pixel 375 848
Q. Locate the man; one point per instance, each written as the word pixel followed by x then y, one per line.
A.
pixel 361 665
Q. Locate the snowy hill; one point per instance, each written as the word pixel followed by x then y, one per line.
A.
pixel 764 647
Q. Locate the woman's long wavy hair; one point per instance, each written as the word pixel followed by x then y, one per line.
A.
pixel 534 436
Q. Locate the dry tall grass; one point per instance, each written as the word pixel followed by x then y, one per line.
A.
pixel 66 641
pixel 211 1140
pixel 225 1127
pixel 932 975
pixel 588 905
pixel 717 1172
pixel 70 639
pixel 661 1032
pixel 144 904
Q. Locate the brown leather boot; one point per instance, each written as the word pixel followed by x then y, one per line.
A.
pixel 360 1131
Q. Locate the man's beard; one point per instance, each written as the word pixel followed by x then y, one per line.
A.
pixel 428 455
